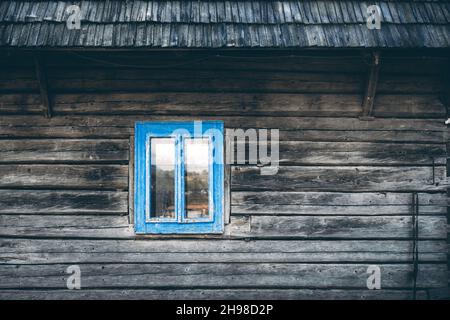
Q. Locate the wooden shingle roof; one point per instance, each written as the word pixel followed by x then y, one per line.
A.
pixel 214 24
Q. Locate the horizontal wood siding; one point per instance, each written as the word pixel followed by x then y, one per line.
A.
pixel 340 201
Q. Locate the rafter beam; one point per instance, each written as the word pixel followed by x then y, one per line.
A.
pixel 41 75
pixel 371 87
pixel 445 99
pixel 445 94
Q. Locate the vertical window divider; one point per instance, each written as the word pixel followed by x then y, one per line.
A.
pixel 180 183
pixel 211 163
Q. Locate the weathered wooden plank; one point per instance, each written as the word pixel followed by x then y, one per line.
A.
pixel 70 132
pixel 15 85
pixel 73 150
pixel 335 203
pixel 361 178
pixel 363 227
pixel 90 226
pixel 286 123
pixel 337 198
pixel 13 80
pixel 352 153
pixel 131 173
pixel 297 135
pixel 241 275
pixel 210 82
pixel 208 104
pixel 18 72
pixel 219 294
pixel 62 202
pixel 64 176
pixel 442 293
pixel 221 75
pixel 408 106
pixel 124 73
pixel 342 227
pixel 20 104
pixel 27 251
pixel 65 226
pixel 363 136
pixel 278 104
pixel 398 65
pixel 201 63
pixel 404 83
pixel 234 85
pixel 301 209
pixel 230 81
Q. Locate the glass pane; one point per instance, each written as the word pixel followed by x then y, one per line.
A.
pixel 162 199
pixel 196 178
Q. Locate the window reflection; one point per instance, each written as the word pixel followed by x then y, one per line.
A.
pixel 162 204
pixel 196 178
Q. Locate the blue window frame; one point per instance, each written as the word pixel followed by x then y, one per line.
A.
pixel 179 183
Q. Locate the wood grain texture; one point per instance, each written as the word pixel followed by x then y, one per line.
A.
pixel 219 294
pixel 335 203
pixel 338 198
pixel 66 132
pixel 64 176
pixel 213 24
pixel 351 153
pixel 319 210
pixel 412 136
pixel 45 251
pixel 340 202
pixel 231 12
pixel 171 80
pixel 112 132
pixel 347 227
pixel 201 103
pixel 302 227
pixel 217 275
pixel 361 178
pixel 287 123
pixel 124 35
pixel 91 79
pixel 64 151
pixel 23 103
pixel 62 202
pixel 89 226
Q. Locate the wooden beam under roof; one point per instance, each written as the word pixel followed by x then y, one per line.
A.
pixel 371 87
pixel 445 94
pixel 41 75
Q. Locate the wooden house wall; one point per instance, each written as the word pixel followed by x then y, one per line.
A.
pixel 341 201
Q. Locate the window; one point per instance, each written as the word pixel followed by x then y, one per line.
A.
pixel 179 177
